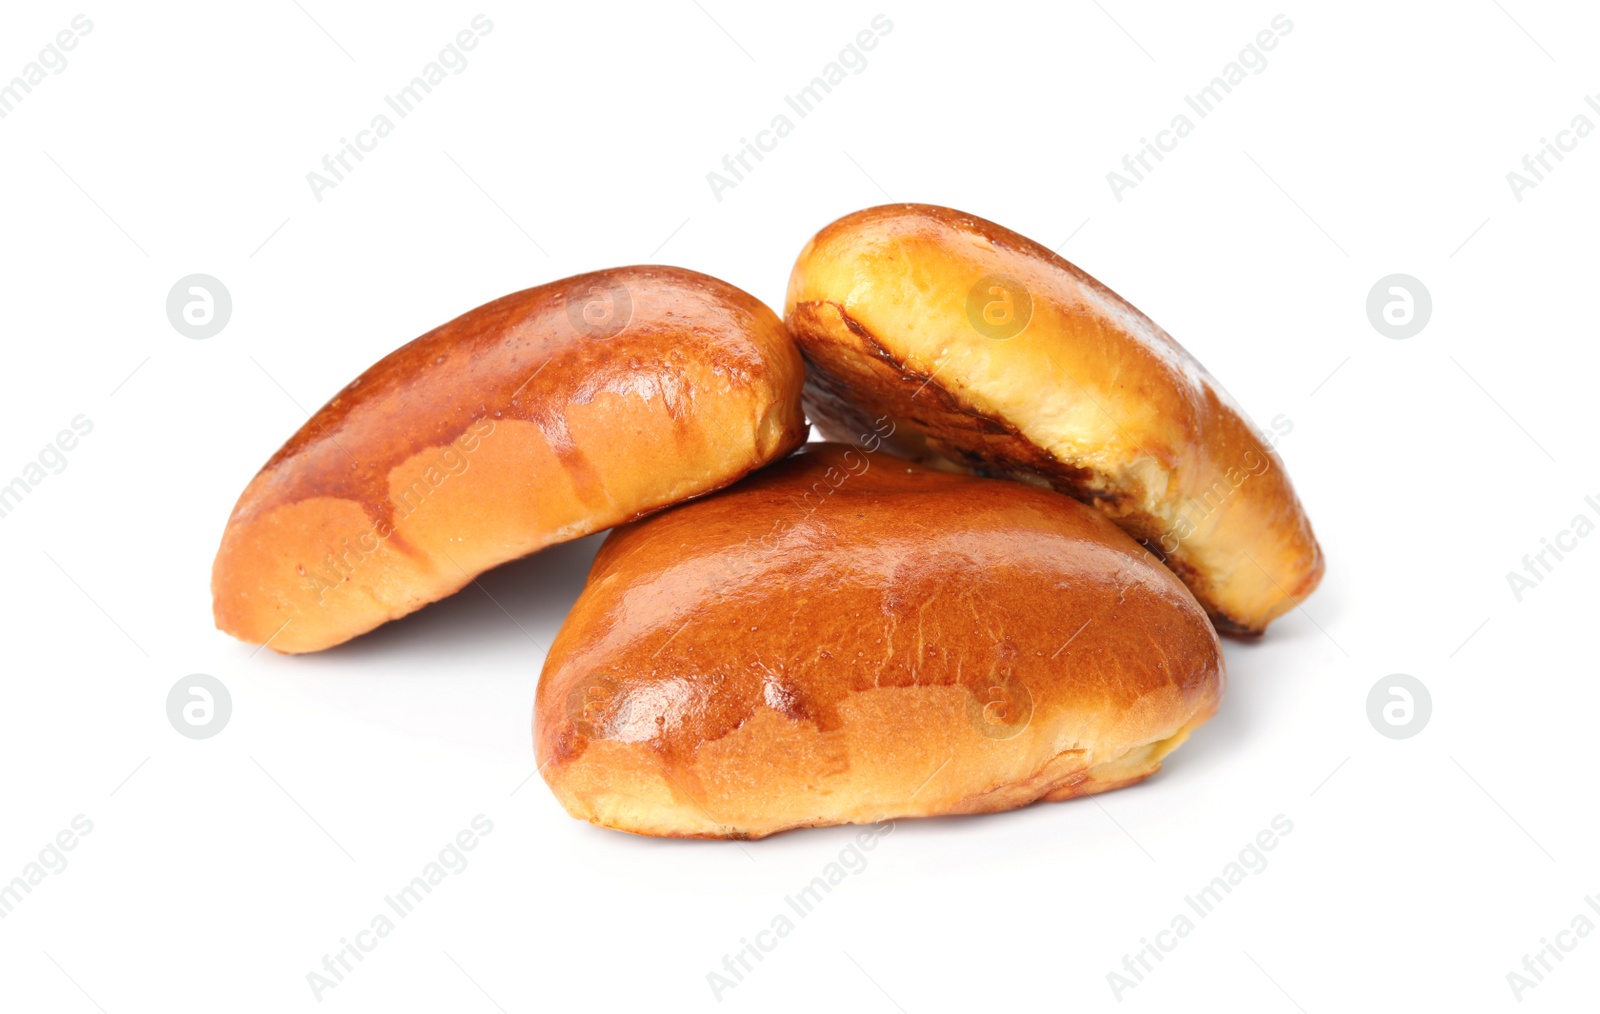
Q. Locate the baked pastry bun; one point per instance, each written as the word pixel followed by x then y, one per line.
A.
pixel 987 352
pixel 846 637
pixel 543 416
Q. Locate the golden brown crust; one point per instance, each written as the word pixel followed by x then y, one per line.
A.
pixel 543 416
pixel 845 636
pixel 1090 397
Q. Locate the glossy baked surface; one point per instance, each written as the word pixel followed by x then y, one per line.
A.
pixel 988 352
pixel 846 636
pixel 542 416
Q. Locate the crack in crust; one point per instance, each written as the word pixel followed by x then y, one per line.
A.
pixel 833 405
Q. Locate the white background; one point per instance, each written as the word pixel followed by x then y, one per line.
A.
pixel 1377 140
